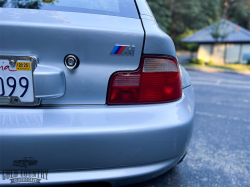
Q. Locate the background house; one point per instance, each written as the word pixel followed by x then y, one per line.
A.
pixel 222 42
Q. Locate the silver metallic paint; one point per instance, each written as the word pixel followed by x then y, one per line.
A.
pixel 49 82
pixel 185 79
pixel 157 42
pixel 96 137
pixel 51 35
pixel 115 176
pixel 144 9
pixel 116 144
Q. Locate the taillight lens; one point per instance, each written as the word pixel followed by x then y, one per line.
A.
pixel 158 80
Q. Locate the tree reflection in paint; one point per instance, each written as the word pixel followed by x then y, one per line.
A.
pixel 35 4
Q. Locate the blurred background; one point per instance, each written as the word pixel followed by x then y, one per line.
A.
pixel 223 38
pixel 181 18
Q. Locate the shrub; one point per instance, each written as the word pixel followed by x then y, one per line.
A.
pixel 194 61
pixel 210 63
pixel 237 62
pixel 201 62
pixel 248 62
pixel 197 61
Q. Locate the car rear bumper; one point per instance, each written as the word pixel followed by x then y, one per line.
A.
pixel 86 143
pixel 115 176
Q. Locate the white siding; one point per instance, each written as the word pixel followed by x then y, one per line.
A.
pixel 232 53
pixel 204 52
pixel 245 49
pixel 218 53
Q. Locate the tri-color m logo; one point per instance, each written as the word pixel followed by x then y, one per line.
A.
pixel 123 50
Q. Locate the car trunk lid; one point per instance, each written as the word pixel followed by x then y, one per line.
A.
pixel 51 35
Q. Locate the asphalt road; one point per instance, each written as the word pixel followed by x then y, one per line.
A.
pixel 219 152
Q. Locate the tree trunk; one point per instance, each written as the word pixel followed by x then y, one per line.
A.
pixel 249 16
pixel 226 6
pixel 171 10
pixel 192 54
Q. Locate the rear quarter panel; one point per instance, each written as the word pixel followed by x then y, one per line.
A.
pixel 156 41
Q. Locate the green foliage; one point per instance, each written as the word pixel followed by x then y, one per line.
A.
pixel 193 14
pixel 210 63
pixel 184 16
pixel 220 31
pixel 215 30
pixel 197 61
pixel 211 11
pixel 177 17
pixel 181 17
pixel 239 12
pixel 161 13
pixel 201 62
pixel 248 62
pixel 193 61
pixel 192 47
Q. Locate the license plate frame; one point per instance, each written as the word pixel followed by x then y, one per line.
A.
pixel 15 100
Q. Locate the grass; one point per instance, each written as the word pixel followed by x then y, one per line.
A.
pixel 241 67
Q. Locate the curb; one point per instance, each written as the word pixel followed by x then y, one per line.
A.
pixel 217 70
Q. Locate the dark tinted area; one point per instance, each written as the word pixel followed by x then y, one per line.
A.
pixel 123 8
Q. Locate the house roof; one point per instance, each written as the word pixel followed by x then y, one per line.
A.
pixel 229 33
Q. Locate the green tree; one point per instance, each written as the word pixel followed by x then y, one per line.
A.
pixel 177 16
pixel 184 14
pixel 239 12
pixel 192 47
pixel 211 11
pixel 192 15
pixel 161 13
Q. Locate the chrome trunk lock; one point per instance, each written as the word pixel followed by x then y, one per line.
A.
pixel 71 62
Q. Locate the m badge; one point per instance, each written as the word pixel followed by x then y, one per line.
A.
pixel 128 50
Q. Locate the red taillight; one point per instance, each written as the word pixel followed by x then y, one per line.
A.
pixel 158 80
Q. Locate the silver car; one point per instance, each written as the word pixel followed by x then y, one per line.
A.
pixel 92 91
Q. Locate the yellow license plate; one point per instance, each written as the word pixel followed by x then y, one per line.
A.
pixel 23 66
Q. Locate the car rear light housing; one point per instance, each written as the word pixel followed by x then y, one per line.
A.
pixel 157 80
